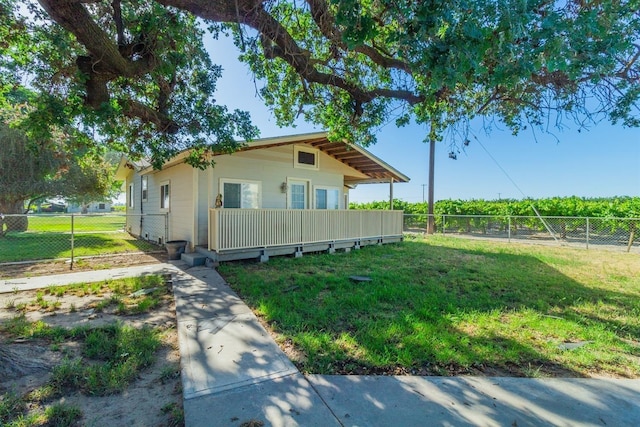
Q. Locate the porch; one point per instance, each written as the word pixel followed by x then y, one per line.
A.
pixel 260 233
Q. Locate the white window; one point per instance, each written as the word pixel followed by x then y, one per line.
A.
pixel 240 194
pixel 165 196
pixel 145 183
pixel 298 194
pixel 305 158
pixel 130 195
pixel 327 198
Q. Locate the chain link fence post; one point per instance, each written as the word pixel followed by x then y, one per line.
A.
pixel 587 233
pixel 72 240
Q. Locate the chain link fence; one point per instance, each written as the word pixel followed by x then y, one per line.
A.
pixel 70 236
pixel 605 233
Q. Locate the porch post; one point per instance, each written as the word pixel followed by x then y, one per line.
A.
pixel 390 194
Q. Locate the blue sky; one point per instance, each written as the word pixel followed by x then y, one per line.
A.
pixel 601 162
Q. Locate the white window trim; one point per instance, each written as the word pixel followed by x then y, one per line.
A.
pixel 325 187
pixel 240 181
pixel 314 151
pixel 130 202
pixel 144 183
pixel 308 195
pixel 162 184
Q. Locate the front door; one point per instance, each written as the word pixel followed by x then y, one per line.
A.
pixel 298 194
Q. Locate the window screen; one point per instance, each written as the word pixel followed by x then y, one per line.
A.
pixel 232 195
pixel 130 195
pixel 327 198
pixel 321 199
pixel 145 182
pixel 245 195
pixel 164 196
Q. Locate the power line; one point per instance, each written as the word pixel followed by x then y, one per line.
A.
pixel 549 229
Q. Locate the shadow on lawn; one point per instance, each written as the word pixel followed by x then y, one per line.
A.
pixel 407 319
pixel 40 246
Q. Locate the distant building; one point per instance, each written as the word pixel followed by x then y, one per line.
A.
pixel 93 207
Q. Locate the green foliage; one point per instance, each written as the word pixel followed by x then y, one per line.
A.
pixel 34 169
pixel 142 80
pixel 147 90
pixel 612 207
pixel 444 63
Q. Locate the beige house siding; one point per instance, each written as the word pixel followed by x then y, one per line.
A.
pixel 133 222
pixel 204 201
pixel 273 166
pixel 181 210
pixel 193 192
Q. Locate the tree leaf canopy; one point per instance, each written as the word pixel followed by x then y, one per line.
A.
pixel 135 72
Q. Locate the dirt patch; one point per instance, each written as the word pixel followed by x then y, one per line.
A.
pixel 151 400
pixel 9 270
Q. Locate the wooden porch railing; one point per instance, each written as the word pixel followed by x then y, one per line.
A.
pixel 231 229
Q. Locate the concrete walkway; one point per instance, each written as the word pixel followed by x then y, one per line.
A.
pixel 234 373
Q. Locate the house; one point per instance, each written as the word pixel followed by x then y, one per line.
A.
pixel 273 196
pixel 92 207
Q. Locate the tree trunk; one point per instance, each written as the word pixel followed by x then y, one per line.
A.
pixel 12 216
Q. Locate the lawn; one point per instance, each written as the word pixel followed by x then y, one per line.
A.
pixel 81 223
pixel 35 246
pixel 452 306
pixel 49 237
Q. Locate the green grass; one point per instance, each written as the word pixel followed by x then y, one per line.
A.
pixel 49 237
pixel 13 413
pixel 447 305
pixel 122 352
pixel 81 223
pixel 109 358
pixel 112 355
pixel 118 293
pixel 49 245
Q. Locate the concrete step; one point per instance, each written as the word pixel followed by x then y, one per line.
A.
pixel 193 259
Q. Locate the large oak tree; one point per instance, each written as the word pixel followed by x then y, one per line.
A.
pixel 136 73
pixel 34 170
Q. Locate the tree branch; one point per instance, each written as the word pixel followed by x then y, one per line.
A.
pixel 277 42
pixel 135 109
pixel 287 49
pixel 326 24
pixel 117 17
pixel 76 19
pixel 624 73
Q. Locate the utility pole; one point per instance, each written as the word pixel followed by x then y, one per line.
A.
pixel 432 153
pixel 423 185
